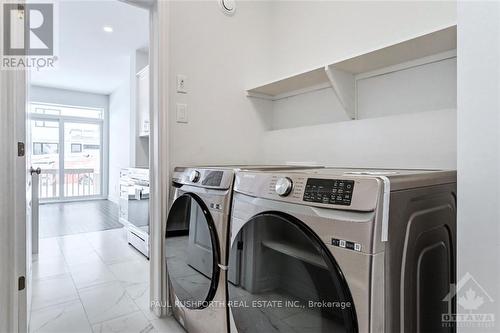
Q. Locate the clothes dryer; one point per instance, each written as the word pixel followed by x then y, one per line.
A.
pixel 342 250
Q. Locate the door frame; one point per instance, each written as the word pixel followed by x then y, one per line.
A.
pixel 15 253
pixel 159 152
pixel 13 116
pixel 13 202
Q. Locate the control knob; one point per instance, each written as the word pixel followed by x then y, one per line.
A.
pixel 283 186
pixel 194 176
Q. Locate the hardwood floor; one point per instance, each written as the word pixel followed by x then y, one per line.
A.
pixel 68 218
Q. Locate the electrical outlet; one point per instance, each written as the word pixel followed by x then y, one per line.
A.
pixel 182 113
pixel 182 84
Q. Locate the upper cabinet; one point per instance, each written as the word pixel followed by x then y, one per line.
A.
pixel 143 101
pixel 342 76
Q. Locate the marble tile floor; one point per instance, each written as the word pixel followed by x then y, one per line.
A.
pixel 93 282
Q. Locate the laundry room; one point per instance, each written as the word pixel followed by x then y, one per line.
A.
pixel 264 167
pixel 307 103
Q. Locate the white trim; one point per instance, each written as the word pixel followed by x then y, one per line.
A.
pixel 9 219
pixel 159 153
pixel 73 199
pixel 14 232
pixel 158 147
pixel 71 106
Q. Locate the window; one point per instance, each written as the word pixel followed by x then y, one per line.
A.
pixel 91 147
pixel 42 110
pixel 37 148
pixel 76 170
pixel 60 110
pixel 76 147
pixel 45 148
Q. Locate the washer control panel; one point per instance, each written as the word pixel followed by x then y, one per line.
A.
pixel 329 191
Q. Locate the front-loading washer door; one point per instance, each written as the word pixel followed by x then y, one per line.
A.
pixel 192 259
pixel 288 280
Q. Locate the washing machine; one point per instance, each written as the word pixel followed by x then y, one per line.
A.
pixel 342 250
pixel 196 245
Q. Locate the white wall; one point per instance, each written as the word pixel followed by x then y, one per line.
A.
pixel 427 87
pixel 119 138
pixel 311 34
pixel 418 140
pixel 139 146
pixel 479 150
pixel 220 55
pixel 126 149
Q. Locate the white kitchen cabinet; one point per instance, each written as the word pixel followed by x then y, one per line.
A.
pixel 143 101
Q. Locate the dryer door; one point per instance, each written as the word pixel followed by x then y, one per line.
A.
pixel 192 257
pixel 288 280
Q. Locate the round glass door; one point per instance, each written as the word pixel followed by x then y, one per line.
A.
pixel 193 256
pixel 282 278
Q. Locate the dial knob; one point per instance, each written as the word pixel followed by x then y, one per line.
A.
pixel 283 186
pixel 194 176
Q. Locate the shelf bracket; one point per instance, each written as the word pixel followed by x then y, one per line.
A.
pixel 343 84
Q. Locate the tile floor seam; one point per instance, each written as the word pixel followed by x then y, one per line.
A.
pixel 57 303
pixel 88 245
pixel 81 302
pixel 142 309
pixel 121 316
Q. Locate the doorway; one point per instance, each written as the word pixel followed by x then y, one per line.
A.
pixel 18 174
pixel 84 119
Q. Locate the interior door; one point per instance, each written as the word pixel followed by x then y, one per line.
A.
pixel 23 191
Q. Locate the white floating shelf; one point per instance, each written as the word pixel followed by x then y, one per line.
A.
pixel 341 75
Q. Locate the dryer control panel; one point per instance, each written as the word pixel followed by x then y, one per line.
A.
pixel 345 192
pixel 329 191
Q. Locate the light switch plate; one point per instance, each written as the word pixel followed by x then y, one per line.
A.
pixel 182 113
pixel 182 84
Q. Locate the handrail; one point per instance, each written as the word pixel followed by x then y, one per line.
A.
pixel 66 171
pixel 77 183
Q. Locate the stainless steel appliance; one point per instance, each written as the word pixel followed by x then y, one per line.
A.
pixel 197 259
pixel 342 250
pixel 134 207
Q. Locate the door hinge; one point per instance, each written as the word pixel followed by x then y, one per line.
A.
pixel 20 149
pixel 21 283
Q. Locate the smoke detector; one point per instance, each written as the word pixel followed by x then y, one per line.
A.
pixel 228 7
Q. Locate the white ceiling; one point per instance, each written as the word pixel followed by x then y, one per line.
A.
pixel 90 59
